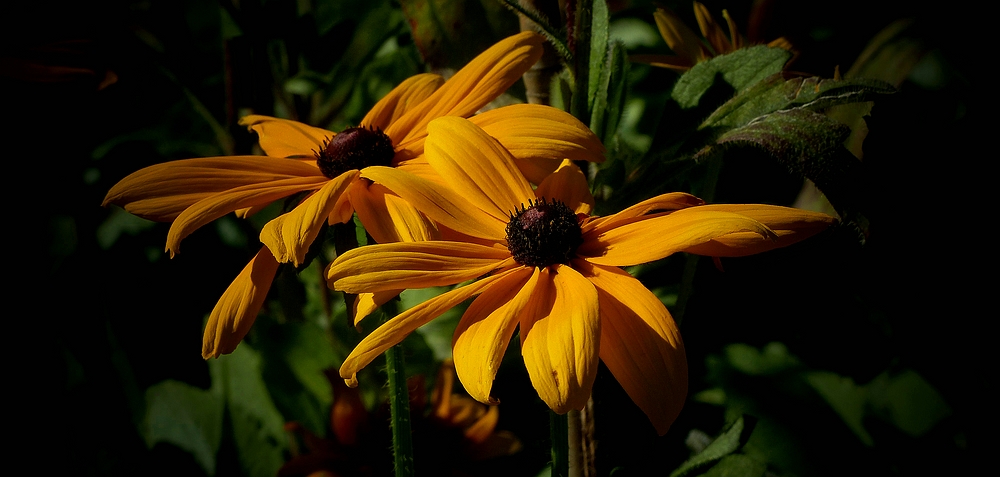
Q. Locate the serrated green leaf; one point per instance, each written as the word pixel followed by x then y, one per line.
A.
pixel 730 441
pixel 739 70
pixel 187 417
pixel 737 465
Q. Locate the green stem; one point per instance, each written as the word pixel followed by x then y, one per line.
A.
pixel 399 403
pixel 558 433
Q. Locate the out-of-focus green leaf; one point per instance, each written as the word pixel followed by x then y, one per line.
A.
pixel 737 465
pixel 120 222
pixel 258 428
pixel 773 358
pixel 730 441
pixel 908 401
pixel 739 69
pixel 845 397
pixel 187 417
pixel 449 33
pixel 599 51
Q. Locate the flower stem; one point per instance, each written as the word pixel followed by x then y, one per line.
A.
pixel 399 403
pixel 560 444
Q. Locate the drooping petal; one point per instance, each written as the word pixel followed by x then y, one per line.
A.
pixel 366 303
pixel 659 204
pixel 540 137
pixel 569 185
pixel 388 218
pixel 400 265
pixel 236 311
pixel 286 138
pixel 394 330
pixel 290 235
pixel 401 99
pixel 640 344
pixel 479 82
pixel 789 225
pixel 654 238
pixel 162 191
pixel 560 333
pixel 441 204
pixel 476 166
pixel 215 206
pixel 482 335
pixel 681 39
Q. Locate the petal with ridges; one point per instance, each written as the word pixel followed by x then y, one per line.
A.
pixel 661 203
pixel 411 92
pixel 560 332
pixel 569 185
pixel 482 335
pixel 476 166
pixel 236 311
pixel 286 138
pixel 366 303
pixel 789 225
pixel 397 328
pixel 402 265
pixel 290 235
pixel 640 344
pixel 654 238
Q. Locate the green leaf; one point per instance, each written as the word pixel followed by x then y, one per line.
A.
pixel 187 417
pixel 258 427
pixel 599 51
pixel 739 70
pixel 731 440
pixel 610 100
pixel 450 33
pixel 737 465
pixel 845 397
pixel 773 359
pixel 908 401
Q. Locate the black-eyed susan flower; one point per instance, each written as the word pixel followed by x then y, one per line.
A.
pixel 688 48
pixel 539 262
pixel 326 165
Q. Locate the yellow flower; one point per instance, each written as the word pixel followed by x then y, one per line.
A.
pixel 688 47
pixel 326 166
pixel 550 269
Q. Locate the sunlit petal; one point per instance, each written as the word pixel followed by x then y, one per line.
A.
pixel 236 311
pixel 394 330
pixel 560 327
pixel 789 225
pixel 569 185
pixel 640 344
pixel 366 303
pixel 401 265
pixel 284 137
pixel 482 335
pixel 476 166
pixel 657 237
pixel 290 235
pixel 659 204
pixel 401 99
pixel 388 218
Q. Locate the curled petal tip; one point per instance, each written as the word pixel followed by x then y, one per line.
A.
pixel 351 382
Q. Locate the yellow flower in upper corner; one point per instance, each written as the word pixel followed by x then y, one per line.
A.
pixel 302 158
pixel 688 48
pixel 550 268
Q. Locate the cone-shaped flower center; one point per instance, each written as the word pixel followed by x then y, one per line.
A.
pixel 355 148
pixel 543 234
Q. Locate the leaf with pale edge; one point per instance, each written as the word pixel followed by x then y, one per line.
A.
pixel 731 440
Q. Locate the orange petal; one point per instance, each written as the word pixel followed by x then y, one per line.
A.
pixel 290 235
pixel 401 99
pixel 540 137
pixel 659 204
pixel 388 218
pixel 476 166
pixel 237 309
pixel 654 238
pixel 366 303
pixel 789 225
pixel 397 328
pixel 640 344
pixel 161 192
pixel 560 332
pixel 286 138
pixel 711 30
pixel 479 82
pixel 568 185
pixel 681 39
pixel 400 265
pixel 441 204
pixel 482 335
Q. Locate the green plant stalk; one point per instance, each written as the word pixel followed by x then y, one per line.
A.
pixel 559 435
pixel 399 403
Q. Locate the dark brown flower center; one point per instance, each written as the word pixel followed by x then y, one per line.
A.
pixel 543 234
pixel 355 148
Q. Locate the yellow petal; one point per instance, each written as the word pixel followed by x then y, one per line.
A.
pixel 560 333
pixel 290 235
pixel 659 204
pixel 286 138
pixel 539 137
pixel 161 192
pixel 734 33
pixel 400 265
pixel 441 204
pixel 675 63
pixel 236 311
pixel 388 218
pixel 401 99
pixel 394 330
pixel 476 166
pixel 569 185
pixel 711 30
pixel 681 39
pixel 215 206
pixel 640 344
pixel 479 82
pixel 366 303
pixel 654 238
pixel 789 225
pixel 482 335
